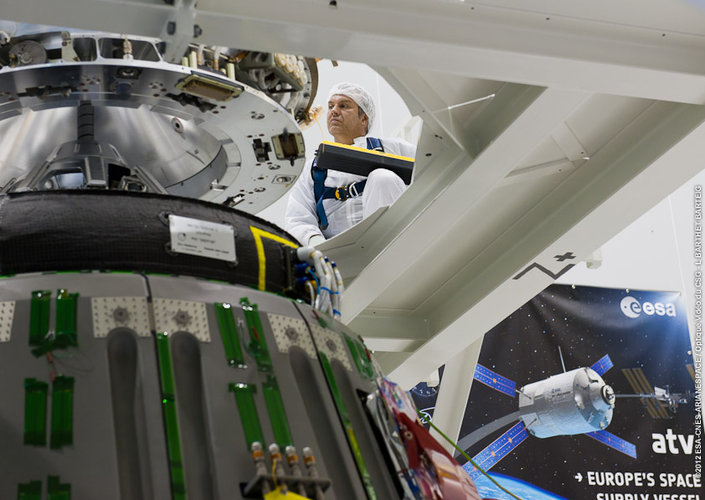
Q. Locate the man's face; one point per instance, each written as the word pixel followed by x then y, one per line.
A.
pixel 344 120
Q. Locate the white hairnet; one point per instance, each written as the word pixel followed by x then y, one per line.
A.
pixel 361 97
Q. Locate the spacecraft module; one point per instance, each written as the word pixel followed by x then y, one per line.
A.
pixel 155 342
pixel 573 402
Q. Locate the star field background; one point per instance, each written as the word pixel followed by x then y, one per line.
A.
pixel 586 323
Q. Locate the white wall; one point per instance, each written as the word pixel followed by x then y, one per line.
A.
pixel 653 253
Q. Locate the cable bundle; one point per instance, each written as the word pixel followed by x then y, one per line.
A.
pixel 320 276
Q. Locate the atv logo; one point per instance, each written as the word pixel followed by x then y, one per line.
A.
pixel 632 308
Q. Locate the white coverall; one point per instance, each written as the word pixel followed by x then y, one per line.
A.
pixel 382 188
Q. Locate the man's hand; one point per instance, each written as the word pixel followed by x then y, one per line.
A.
pixel 316 240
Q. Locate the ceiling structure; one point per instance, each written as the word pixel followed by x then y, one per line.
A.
pixel 548 127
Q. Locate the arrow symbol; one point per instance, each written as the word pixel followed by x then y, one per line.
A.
pixel 578 476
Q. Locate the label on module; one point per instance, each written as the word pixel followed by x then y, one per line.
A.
pixel 202 238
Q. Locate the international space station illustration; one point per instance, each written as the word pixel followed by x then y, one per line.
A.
pixel 570 403
pixel 659 403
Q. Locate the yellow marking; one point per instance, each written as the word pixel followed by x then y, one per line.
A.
pixel 278 494
pixel 637 379
pixel 636 386
pixel 364 150
pixel 689 366
pixel 258 235
pixel 657 405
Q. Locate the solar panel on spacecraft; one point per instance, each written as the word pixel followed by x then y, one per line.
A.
pixel 614 442
pixel 499 449
pixel 495 380
pixel 603 365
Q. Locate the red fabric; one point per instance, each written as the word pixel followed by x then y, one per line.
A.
pixel 425 453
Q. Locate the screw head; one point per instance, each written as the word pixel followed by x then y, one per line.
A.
pixel 291 333
pixel 182 318
pixel 121 315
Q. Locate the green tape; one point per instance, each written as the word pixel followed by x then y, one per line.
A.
pixel 35 412
pixel 277 414
pixel 366 361
pixel 357 351
pixel 56 490
pixel 39 312
pixel 229 335
pixel 66 317
pixel 61 412
pixel 349 431
pixel 171 422
pixel 244 397
pixel 258 344
pixel 65 331
pixel 29 491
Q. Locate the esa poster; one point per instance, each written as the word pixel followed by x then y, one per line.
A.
pixel 532 381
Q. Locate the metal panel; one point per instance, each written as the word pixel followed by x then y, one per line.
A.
pixel 181 315
pixel 289 332
pixel 641 48
pixel 7 314
pixel 115 312
pixel 331 344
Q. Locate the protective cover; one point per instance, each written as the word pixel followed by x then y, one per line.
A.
pixel 122 231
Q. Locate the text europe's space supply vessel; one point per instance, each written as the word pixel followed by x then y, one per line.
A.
pixel 155 342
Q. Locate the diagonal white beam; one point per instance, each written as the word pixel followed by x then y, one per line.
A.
pixel 642 48
pixel 423 101
pixel 641 166
pixel 518 132
pixel 453 394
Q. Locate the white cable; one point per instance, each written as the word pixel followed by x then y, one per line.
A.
pixel 331 285
pixel 325 295
pixel 199 54
pixel 311 293
pixel 216 58
pixel 315 257
pixel 335 298
pixel 340 286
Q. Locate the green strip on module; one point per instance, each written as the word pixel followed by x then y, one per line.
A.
pixel 61 412
pixel 349 431
pixel 35 412
pixel 355 355
pixel 66 318
pixel 171 422
pixel 229 335
pixel 39 316
pixel 258 344
pixel 56 490
pixel 244 397
pixel 277 414
pixel 29 491
pixel 65 334
pixel 360 356
pixel 366 362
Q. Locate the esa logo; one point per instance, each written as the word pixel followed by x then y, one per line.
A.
pixel 632 308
